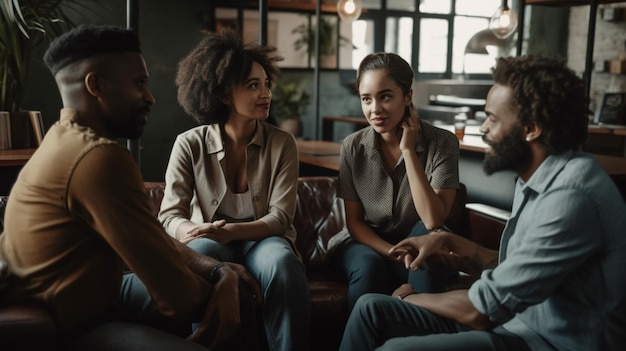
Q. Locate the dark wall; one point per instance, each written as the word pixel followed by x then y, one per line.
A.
pixel 168 31
pixel 495 190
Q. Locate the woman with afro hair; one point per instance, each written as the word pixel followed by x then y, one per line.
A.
pixel 231 182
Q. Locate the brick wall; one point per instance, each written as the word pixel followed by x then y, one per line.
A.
pixel 609 41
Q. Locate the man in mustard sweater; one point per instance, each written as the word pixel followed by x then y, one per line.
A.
pixel 78 214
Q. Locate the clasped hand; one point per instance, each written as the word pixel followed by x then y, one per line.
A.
pixel 214 231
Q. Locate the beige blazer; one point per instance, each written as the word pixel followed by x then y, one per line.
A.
pixel 195 183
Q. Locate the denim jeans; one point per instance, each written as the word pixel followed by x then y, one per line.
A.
pixel 369 272
pixel 384 323
pixel 281 275
pixel 137 325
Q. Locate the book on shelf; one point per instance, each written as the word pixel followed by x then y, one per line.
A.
pixel 612 109
pixel 36 123
pixel 25 130
pixel 5 130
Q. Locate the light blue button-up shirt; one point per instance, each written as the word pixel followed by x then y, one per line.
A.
pixel 561 281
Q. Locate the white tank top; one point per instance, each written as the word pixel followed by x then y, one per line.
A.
pixel 236 207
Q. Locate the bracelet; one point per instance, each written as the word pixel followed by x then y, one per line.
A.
pixel 213 278
pixel 403 296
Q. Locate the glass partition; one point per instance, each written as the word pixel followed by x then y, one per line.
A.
pixel 434 45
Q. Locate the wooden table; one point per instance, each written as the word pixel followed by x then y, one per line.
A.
pixel 16 157
pixel 326 154
pixel 319 153
pixel 328 123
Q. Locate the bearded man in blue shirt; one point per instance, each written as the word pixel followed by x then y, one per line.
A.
pixel 556 283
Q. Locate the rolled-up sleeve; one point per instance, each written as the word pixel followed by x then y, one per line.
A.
pixel 554 236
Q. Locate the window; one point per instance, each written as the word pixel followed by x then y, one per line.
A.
pixel 419 31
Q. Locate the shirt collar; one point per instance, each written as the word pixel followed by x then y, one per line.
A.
pixel 73 116
pixel 215 143
pixel 541 179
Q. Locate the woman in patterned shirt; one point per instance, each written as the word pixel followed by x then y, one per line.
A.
pixel 398 177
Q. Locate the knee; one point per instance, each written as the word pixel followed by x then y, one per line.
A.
pixel 369 304
pixel 208 247
pixel 285 270
pixel 366 265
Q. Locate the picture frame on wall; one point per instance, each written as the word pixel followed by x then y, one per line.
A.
pixel 612 109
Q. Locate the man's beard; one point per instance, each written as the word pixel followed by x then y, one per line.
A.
pixel 508 154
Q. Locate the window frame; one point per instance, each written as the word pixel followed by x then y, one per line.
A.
pixel 379 19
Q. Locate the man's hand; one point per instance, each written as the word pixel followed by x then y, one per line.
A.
pixel 222 316
pixel 244 275
pixel 414 250
pixel 403 291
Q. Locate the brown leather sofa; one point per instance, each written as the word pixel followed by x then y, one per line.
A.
pixel 319 216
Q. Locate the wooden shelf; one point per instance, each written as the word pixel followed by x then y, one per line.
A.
pixel 15 157
pixel 281 5
pixel 569 2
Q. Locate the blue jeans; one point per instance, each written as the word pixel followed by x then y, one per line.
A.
pixel 369 272
pixel 281 275
pixel 384 323
pixel 136 324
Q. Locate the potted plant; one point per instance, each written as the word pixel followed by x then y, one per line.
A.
pixel 328 40
pixel 24 24
pixel 289 99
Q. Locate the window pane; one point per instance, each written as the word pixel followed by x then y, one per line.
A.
pixel 284 36
pixel 405 5
pixel 346 42
pixel 362 39
pixel 436 6
pixel 433 45
pixel 485 8
pixel 399 36
pixel 464 29
pixel 372 4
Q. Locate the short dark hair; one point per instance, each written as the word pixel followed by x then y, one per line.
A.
pixel 217 64
pixel 546 92
pixel 86 41
pixel 397 69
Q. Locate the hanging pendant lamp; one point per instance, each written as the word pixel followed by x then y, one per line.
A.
pixel 503 23
pixel 349 10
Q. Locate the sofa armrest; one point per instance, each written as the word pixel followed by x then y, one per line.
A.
pixel 26 327
pixel 486 224
pixel 319 216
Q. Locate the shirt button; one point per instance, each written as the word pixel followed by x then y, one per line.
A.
pixel 214 202
pixel 255 198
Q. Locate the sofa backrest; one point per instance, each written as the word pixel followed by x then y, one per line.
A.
pixel 319 215
pixel 155 192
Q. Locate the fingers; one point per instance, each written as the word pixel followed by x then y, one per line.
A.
pixel 417 262
pixel 407 261
pixel 255 287
pixel 220 223
pixel 244 275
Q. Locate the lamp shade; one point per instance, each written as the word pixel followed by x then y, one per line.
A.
pixel 349 10
pixel 479 42
pixel 503 23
